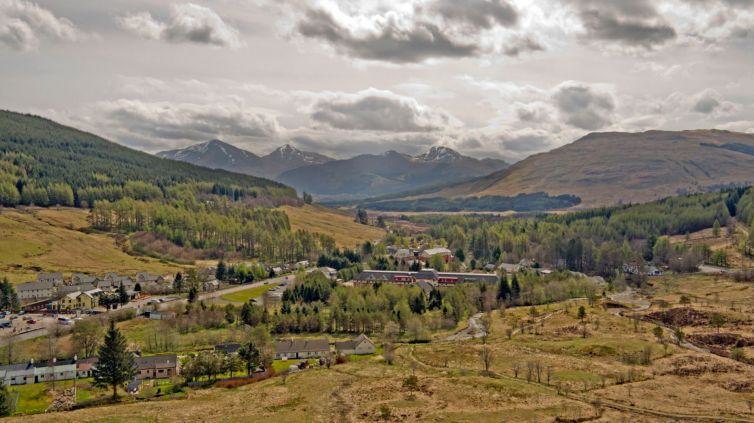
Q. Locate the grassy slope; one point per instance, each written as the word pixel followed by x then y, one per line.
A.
pixel 608 168
pixel 49 240
pixel 340 226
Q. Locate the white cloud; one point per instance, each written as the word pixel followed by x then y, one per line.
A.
pixel 188 23
pixel 24 24
pixel 378 110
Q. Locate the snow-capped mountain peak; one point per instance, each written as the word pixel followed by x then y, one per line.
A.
pixel 439 154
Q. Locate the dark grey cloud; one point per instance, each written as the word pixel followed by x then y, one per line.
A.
pixel 188 23
pixel 392 44
pixel 634 23
pixel 24 24
pixel 583 106
pixel 479 13
pixel 375 110
pixel 187 121
pixel 439 29
pixel 526 143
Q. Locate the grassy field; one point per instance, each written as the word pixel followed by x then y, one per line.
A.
pixel 248 294
pixel 547 370
pixel 339 225
pixel 50 240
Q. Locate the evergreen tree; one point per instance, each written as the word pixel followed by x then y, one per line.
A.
pixel 220 272
pixel 122 295
pixel 192 294
pixel 178 282
pixel 515 288
pixel 503 288
pixel 250 354
pixel 5 408
pixel 115 365
pixel 8 296
pixel 460 255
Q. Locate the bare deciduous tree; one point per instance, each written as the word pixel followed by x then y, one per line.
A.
pixel 486 356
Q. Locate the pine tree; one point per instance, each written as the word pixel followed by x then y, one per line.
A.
pixel 503 289
pixel 221 271
pixel 122 295
pixel 192 294
pixel 5 408
pixel 515 288
pixel 115 365
pixel 178 282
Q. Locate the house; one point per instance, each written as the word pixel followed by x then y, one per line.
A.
pixel 133 387
pixel 277 270
pixel 84 367
pixel 358 346
pixel 403 253
pixel 144 278
pixel 80 300
pixel 329 272
pixel 36 290
pixel 55 278
pixel 301 348
pixel 231 348
pixel 211 285
pixel 84 286
pixel 17 374
pixel 302 264
pixel 427 254
pixel 425 286
pixel 80 278
pixel 490 267
pixel 510 267
pixel 157 367
pixel 46 371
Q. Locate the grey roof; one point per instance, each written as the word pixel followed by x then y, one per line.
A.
pixel 427 274
pixel 353 343
pixel 35 285
pixel 157 361
pixel 83 278
pixel 228 348
pixel 302 345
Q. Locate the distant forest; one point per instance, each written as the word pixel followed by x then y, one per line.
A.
pixel 538 201
pixel 600 240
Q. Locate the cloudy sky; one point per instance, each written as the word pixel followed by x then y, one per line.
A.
pixel 491 78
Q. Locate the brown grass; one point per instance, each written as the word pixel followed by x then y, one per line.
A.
pixel 50 240
pixel 338 224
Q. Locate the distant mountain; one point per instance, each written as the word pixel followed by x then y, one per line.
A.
pixel 216 154
pixel 609 168
pixel 370 175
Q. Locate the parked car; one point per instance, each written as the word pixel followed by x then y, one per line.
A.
pixel 6 324
pixel 65 320
pixel 31 321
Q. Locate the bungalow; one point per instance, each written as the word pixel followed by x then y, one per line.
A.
pixel 357 346
pixel 302 264
pixel 161 315
pixel 17 374
pixel 301 348
pixel 157 367
pixel 46 371
pixel 329 272
pixel 84 367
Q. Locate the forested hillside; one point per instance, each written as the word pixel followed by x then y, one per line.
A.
pixel 600 240
pixel 45 163
pixel 169 209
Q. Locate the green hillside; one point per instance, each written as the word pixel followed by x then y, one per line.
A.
pixel 72 167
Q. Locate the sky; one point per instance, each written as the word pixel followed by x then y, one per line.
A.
pixel 489 78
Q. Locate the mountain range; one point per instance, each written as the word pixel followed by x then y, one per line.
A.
pixel 216 154
pixel 603 169
pixel 362 176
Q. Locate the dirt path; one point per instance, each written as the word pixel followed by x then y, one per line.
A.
pixel 474 330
